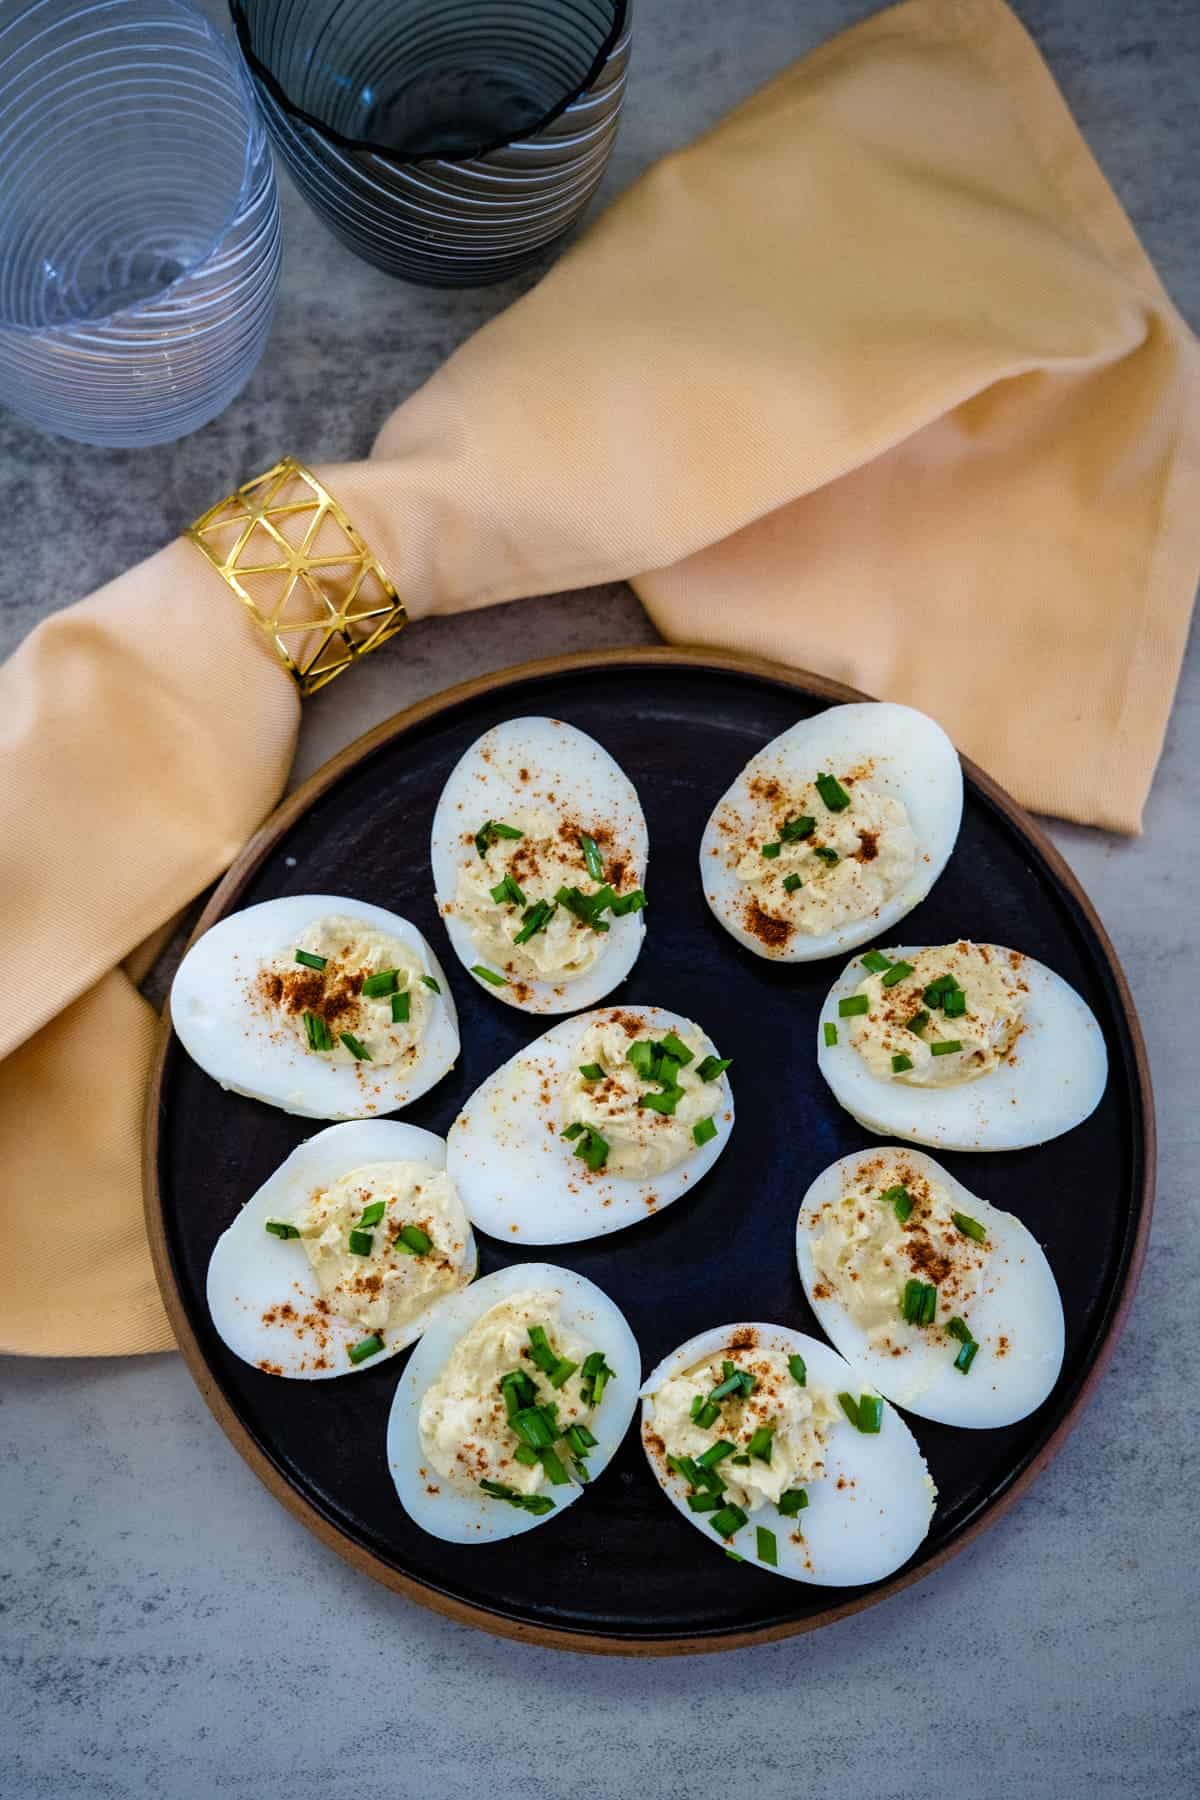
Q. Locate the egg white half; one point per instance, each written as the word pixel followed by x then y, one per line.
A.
pixel 252 1273
pixel 486 784
pixel 463 1516
pixel 1051 1082
pixel 520 1179
pixel 914 761
pixel 866 1515
pixel 235 1043
pixel 1017 1318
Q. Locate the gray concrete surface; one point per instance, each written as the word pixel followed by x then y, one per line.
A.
pixel 167 1630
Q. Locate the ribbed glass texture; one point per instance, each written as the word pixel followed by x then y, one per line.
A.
pixel 139 220
pixel 446 141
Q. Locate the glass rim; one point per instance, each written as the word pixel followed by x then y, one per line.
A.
pixel 407 159
pixel 252 123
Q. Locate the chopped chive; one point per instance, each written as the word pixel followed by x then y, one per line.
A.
pixel 675 1046
pixel 541 1355
pixel 764 1543
pixel 587 907
pixel 918 1022
pixel 561 1372
pixel 704 1131
pixel 527 1458
pixel 317 1032
pixel 281 1229
pixel 401 1009
pixel 310 960
pixel 761 1443
pixel 792 830
pixel 664 1103
pixel 531 1427
pixel 849 1406
pixel 575 1130
pixel 704 1413
pixel 791 883
pixel 373 1213
pixel 591 1149
pixel 853 1005
pixel 955 1004
pixel 970 1227
pixel 742 1461
pixel 486 974
pixel 832 793
pixel 358 1050
pixel 715 1453
pixel 591 1071
pixel 368 1346
pixel 934 993
pixel 870 1413
pixel 594 1378
pixel 733 1555
pixel 792 1502
pixel 713 1067
pixel 928 1304
pixel 507 892
pixel 632 902
pixel 555 1472
pixel 831 1036
pixel 771 851
pixel 798 1370
pixel 641 1056
pixel 433 985
pixel 413 1240
pixel 592 857
pixel 703 1502
pixel 487 835
pixel 826 854
pixel 966 1357
pixel 730 1385
pixel 382 983
pixel 361 1242
pixel 958 1328
pixel 947 1047
pixel 896 973
pixel 534 919
pixel 727 1521
pixel 579 1440
pixel 901 1063
pixel 876 961
pixel 531 1503
pixel 901 1199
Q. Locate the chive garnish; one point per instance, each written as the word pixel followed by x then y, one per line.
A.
pixel 555 1472
pixel 664 1103
pixel 587 907
pixel 360 1242
pixel 831 1036
pixel 832 793
pixel 958 1328
pixel 947 1047
pixel 704 1131
pixel 281 1229
pixel 966 1357
pixel 310 960
pixel 715 1453
pixel 317 1032
pixel 919 1303
pixel 594 1378
pixel 764 1543
pixel 713 1067
pixel 413 1241
pixel 934 994
pixel 591 1071
pixel 533 1428
pixel 849 1406
pixel 798 1370
pixel 876 961
pixel 732 1384
pixel 590 1147
pixel 382 983
pixel 703 1502
pixel 591 856
pixel 368 1346
pixel 487 834
pixel 527 1458
pixel 792 1502
pixel 761 1443
pixel 901 1063
pixel 574 1130
pixel 727 1521
pixel 704 1412
pixel 373 1213
pixel 507 892
pixel 901 1199
pixel 771 851
pixel 434 987
pixel 534 919
pixel 955 1004
pixel 870 1413
pixel 742 1461
pixel 632 902
pixel 792 830
pixel 486 974
pixel 733 1555
pixel 896 973
pixel 791 883
pixel 970 1227
pixel 853 1005
pixel 358 1050
pixel 918 1022
pixel 826 854
pixel 675 1046
pixel 530 1503
pixel 518 1391
pixel 641 1055
pixel 401 1009
pixel 541 1355
pixel 579 1440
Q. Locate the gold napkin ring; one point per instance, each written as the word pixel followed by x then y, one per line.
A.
pixel 303 573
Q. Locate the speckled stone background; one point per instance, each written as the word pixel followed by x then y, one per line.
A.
pixel 167 1630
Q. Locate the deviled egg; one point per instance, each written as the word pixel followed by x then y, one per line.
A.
pixel 764 1439
pixel 344 1255
pixel 833 831
pixel 320 1005
pixel 963 1046
pixel 940 1301
pixel 539 852
pixel 517 1397
pixel 602 1121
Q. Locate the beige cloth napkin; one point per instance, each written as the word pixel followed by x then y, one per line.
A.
pixel 874 378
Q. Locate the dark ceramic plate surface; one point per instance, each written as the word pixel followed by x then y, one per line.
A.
pixel 621 1570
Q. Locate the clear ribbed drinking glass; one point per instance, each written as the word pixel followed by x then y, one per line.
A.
pixel 139 220
pixel 447 141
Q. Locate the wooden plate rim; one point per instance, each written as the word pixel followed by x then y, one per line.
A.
pixel 243 867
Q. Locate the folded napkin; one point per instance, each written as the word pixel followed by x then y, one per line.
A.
pixel 874 378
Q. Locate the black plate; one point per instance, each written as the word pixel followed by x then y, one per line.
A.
pixel 621 1566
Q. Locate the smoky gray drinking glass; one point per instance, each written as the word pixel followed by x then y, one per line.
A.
pixel 449 142
pixel 139 219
